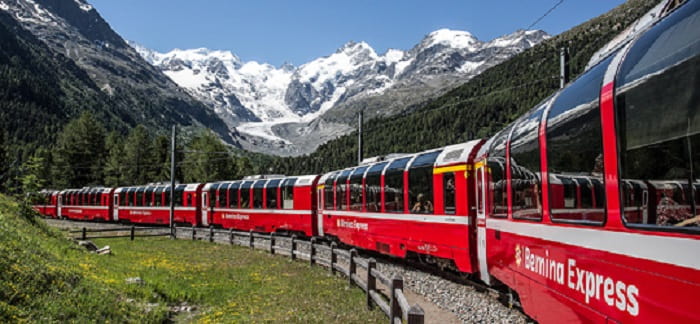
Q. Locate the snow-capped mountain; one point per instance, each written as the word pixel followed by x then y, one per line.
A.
pixel 122 86
pixel 255 97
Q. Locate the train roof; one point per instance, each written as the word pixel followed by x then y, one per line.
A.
pixel 303 180
pixel 447 155
pixel 186 187
pixel 86 190
pixel 630 33
pixel 458 153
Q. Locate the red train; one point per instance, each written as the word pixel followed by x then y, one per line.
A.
pixel 586 207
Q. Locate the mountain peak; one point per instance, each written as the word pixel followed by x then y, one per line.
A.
pixel 450 38
pixel 83 5
pixel 286 66
pixel 353 48
pixel 203 53
pixel 526 38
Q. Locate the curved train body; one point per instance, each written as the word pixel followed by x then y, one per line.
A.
pixel 586 206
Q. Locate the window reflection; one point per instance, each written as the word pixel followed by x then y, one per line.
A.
pixel 575 151
pixel 659 157
pixel 393 186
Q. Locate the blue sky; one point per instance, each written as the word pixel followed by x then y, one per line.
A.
pixel 278 31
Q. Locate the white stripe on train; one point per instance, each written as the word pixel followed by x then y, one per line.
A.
pixel 424 218
pixel 672 250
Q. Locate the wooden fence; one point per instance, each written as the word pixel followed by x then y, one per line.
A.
pixel 392 302
pixel 130 232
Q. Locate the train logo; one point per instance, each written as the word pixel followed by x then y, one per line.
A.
pixel 518 255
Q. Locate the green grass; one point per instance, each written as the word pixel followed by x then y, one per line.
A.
pixel 46 278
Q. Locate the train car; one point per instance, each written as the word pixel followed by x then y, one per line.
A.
pixel 150 204
pixel 613 232
pixel 85 204
pixel 45 203
pixel 280 204
pixel 413 205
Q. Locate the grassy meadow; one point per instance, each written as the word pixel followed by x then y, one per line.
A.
pixel 44 277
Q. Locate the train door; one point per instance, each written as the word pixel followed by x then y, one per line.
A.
pixel 319 208
pixel 481 207
pixel 59 206
pixel 115 203
pixel 205 208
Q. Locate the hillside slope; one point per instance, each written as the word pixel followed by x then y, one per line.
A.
pixel 41 282
pixel 62 58
pixel 480 107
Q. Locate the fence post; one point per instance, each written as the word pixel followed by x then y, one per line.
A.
pixel 371 282
pixel 251 238
pixel 230 236
pixel 334 257
pixel 312 251
pixel 294 247
pixel 211 233
pixel 416 315
pixel 194 233
pixel 133 229
pixel 173 233
pixel 84 233
pixel 353 267
pixel 394 307
pixel 272 243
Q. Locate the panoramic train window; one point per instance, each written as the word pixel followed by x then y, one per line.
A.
pixel 222 196
pixel 448 192
pixel 232 194
pixel 288 193
pixel 496 163
pixel 245 194
pixel 166 196
pixel 356 188
pixel 148 197
pixel 575 149
pixel 258 193
pixel 138 201
pixel 328 192
pixel 159 196
pixel 373 187
pixel 393 186
pixel 341 190
pixel 177 195
pixel 658 101
pixel 420 183
pixel 271 194
pixel 212 194
pixel 526 184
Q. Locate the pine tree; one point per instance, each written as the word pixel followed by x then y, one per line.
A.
pixel 161 159
pixel 208 159
pixel 33 174
pixel 114 164
pixel 138 157
pixel 79 153
pixel 4 161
